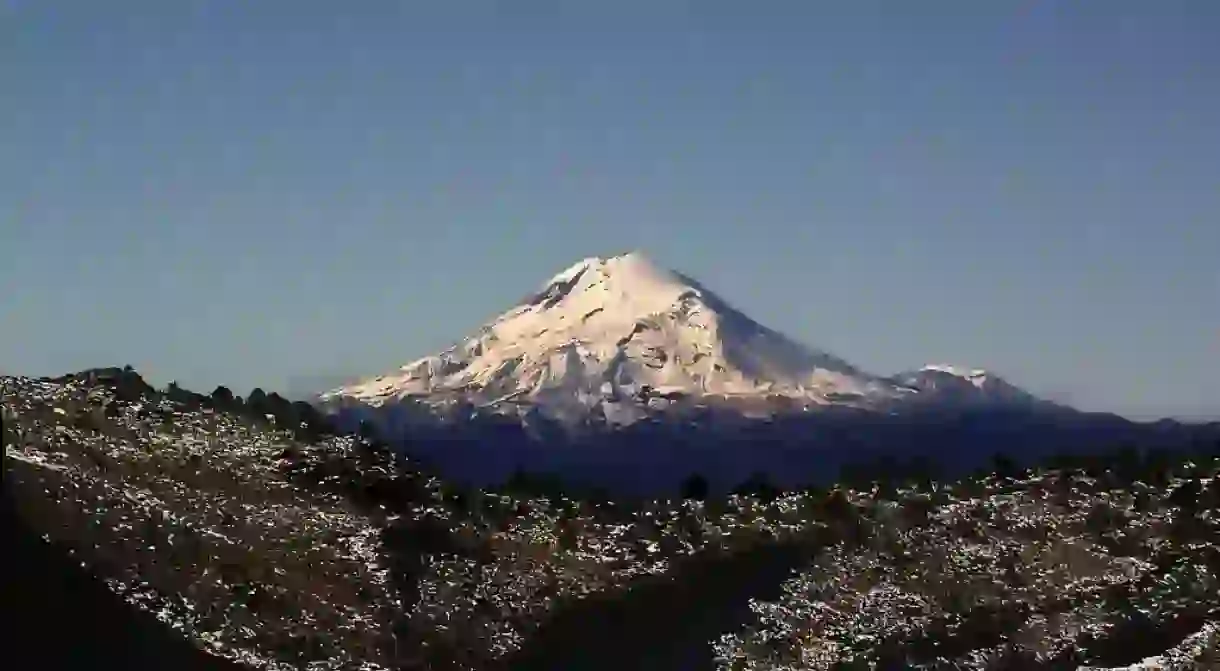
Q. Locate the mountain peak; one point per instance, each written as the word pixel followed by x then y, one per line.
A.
pixel 631 278
pixel 628 286
pixel 610 329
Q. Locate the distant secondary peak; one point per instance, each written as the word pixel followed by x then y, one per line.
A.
pixel 958 371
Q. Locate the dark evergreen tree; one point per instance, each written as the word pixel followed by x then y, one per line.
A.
pixel 920 473
pixel 256 404
pixel 1128 464
pixel 310 422
pixel 1186 496
pixel 1158 466
pixel 367 431
pixel 257 397
pixel 916 510
pixel 758 485
pixel 837 505
pixel 885 488
pixel 222 396
pixel 1005 467
pixel 281 408
pixel 856 475
pixel 5 422
pixel 695 487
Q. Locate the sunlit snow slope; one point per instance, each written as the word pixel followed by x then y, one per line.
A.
pixel 618 335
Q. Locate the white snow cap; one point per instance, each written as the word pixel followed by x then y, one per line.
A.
pixel 607 330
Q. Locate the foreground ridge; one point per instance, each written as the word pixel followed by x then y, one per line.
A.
pixel 276 549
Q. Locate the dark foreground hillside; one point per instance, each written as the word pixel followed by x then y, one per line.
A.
pixel 58 616
pixel 208 526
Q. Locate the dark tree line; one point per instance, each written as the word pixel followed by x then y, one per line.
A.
pixel 299 417
pixel 884 476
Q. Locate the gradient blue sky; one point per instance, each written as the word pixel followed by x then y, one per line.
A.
pixel 275 192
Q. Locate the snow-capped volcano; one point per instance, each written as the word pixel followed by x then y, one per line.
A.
pixel 614 339
pixel 619 333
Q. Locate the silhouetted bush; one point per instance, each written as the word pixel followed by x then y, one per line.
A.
pixel 694 488
pixel 759 485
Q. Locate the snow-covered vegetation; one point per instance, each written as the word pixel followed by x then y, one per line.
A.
pixel 184 513
pixel 1047 571
pixel 263 539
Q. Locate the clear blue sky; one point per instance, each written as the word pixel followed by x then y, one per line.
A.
pixel 269 193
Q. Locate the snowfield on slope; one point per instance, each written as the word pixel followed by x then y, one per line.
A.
pixel 616 334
